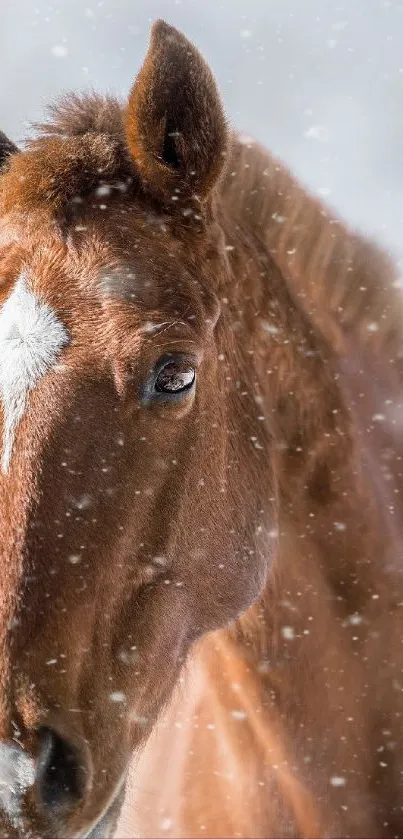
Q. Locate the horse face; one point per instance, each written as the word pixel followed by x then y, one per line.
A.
pixel 130 489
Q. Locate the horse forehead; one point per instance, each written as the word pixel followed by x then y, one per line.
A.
pixel 31 339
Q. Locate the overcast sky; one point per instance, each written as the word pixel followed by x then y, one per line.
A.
pixel 320 82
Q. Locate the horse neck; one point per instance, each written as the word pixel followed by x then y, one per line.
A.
pixel 312 644
pixel 315 288
pixel 294 667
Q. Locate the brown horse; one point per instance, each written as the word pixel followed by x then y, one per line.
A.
pixel 201 429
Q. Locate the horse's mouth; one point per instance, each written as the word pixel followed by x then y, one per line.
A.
pixel 104 828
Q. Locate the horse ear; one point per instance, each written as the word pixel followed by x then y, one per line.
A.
pixel 175 124
pixel 6 148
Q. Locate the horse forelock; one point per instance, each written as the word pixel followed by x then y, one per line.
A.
pixel 51 179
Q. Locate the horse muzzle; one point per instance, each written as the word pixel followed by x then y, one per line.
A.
pixel 40 794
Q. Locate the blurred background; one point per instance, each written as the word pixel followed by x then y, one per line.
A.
pixel 320 82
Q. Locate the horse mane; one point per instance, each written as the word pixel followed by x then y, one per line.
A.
pixel 344 281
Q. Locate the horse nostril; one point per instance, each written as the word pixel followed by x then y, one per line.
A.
pixel 61 776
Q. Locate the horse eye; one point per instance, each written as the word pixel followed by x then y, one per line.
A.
pixel 175 377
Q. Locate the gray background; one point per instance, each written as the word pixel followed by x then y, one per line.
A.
pixel 320 82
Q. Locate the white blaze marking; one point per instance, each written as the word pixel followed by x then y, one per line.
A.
pixel 31 338
pixel 17 774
